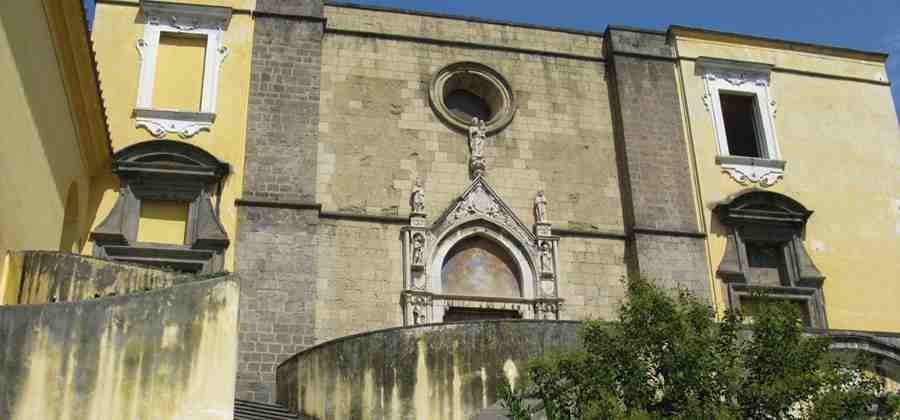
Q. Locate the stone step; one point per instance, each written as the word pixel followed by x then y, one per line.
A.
pixel 252 410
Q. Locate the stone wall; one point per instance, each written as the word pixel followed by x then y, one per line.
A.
pixel 448 371
pixel 666 244
pixel 276 239
pixel 360 278
pixel 378 133
pixel 592 271
pixel 163 354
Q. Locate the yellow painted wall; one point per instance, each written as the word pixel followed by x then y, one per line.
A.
pixel 163 222
pixel 41 159
pixel 841 141
pixel 163 354
pixel 115 34
pixel 175 88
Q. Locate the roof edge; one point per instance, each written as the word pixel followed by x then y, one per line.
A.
pixel 737 38
pixel 466 18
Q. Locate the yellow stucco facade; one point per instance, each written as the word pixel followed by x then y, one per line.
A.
pixel 54 134
pixel 838 134
pixel 115 34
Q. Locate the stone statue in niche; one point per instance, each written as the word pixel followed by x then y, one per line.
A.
pixel 417 199
pixel 546 258
pixel 418 250
pixel 540 207
pixel 477 134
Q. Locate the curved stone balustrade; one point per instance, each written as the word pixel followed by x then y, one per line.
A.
pixel 437 371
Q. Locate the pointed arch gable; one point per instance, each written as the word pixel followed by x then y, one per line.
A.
pixel 478 212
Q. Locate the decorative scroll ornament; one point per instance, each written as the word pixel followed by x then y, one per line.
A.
pixel 738 77
pixel 192 25
pixel 745 175
pixel 141 44
pixel 158 123
pixel 158 128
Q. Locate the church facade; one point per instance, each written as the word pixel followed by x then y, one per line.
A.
pixel 360 169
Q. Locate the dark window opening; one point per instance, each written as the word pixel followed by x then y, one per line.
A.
pixel 751 305
pixel 466 105
pixel 767 265
pixel 739 114
pixel 454 314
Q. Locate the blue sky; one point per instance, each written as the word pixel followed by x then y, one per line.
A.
pixel 872 25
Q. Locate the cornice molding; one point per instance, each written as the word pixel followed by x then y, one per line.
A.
pixel 78 68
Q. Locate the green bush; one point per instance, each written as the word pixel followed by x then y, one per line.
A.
pixel 668 357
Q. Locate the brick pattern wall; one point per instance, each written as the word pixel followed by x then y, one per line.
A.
pixel 654 163
pixel 283 114
pixel 277 243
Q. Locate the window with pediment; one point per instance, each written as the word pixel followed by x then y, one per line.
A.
pixel 165 215
pixel 765 256
pixel 181 53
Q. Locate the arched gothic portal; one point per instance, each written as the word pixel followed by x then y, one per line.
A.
pixel 478 261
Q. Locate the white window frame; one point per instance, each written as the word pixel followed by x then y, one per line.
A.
pixel 189 21
pixel 750 79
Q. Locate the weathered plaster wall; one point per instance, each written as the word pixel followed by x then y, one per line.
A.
pixel 35 277
pixel 42 159
pixel 115 34
pixel 166 354
pixel 840 140
pixel 448 371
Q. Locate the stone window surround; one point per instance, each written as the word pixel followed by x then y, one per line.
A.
pixel 165 170
pixel 184 20
pixel 764 216
pixel 752 79
pixel 504 110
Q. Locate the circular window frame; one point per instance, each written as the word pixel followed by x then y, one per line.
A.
pixel 506 101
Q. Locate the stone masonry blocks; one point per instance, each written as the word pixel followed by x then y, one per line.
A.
pixel 674 262
pixel 658 199
pixel 277 256
pixel 283 112
pixel 277 243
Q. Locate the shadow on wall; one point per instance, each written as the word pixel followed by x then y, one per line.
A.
pixel 164 354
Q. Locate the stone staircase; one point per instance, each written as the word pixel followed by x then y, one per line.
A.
pixel 251 410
